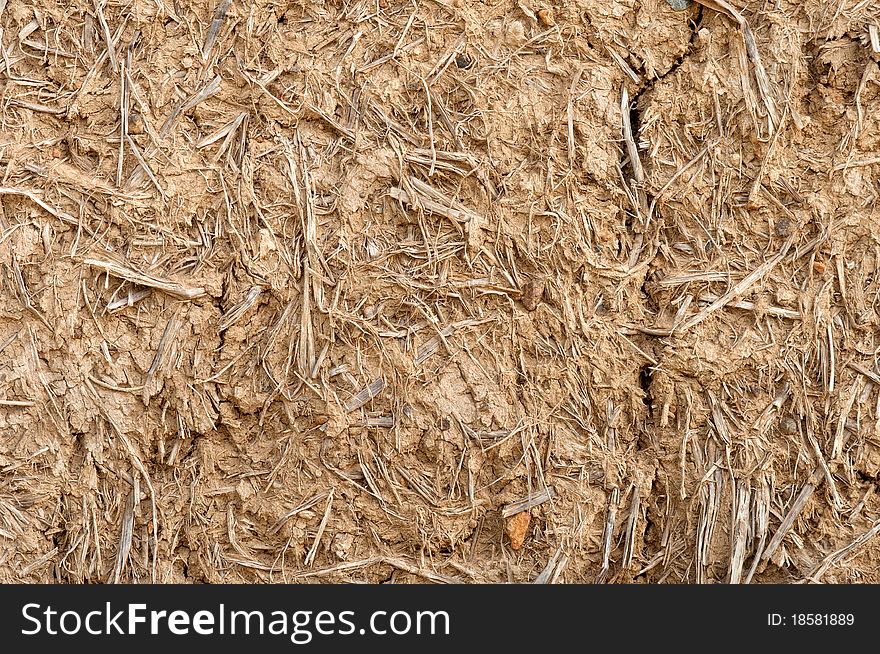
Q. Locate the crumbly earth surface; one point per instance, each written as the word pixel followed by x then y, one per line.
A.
pixel 339 291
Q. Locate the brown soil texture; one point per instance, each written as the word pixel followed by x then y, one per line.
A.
pixel 338 291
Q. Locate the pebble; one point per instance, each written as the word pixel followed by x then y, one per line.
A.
pixel 532 292
pixel 546 18
pixel 517 527
pixel 788 426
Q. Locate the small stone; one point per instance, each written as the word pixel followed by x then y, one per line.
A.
pixel 789 426
pixel 783 227
pixel 135 123
pixel 819 267
pixel 517 527
pixel 463 61
pixel 532 292
pixel 545 16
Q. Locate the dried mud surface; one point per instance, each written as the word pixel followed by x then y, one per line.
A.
pixel 390 291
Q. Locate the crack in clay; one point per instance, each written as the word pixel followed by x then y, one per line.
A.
pixel 646 374
pixel 635 113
